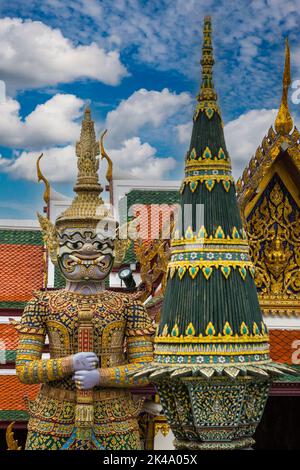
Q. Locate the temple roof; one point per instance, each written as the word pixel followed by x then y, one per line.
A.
pixel 13 397
pixel 282 139
pixel 9 339
pixel 147 197
pixel 21 266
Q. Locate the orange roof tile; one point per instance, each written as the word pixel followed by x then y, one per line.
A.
pixel 21 271
pixel 13 393
pixel 9 337
pixel 284 346
pixel 153 219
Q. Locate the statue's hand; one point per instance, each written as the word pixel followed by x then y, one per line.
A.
pixel 86 379
pixel 84 361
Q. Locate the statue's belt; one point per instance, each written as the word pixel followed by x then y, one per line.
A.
pixel 69 395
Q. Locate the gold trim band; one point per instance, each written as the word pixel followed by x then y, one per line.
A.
pixel 69 395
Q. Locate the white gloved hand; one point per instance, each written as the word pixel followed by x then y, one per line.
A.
pixel 86 379
pixel 84 361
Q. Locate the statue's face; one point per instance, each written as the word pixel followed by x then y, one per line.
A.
pixel 85 255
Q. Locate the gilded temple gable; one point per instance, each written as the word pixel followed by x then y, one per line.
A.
pixel 282 142
pixel 268 195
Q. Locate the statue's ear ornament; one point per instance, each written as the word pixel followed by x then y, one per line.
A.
pixel 121 245
pixel 49 236
pixel 48 229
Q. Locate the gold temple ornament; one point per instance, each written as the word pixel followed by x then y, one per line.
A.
pixel 268 196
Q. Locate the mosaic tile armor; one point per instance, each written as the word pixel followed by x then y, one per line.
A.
pixel 96 337
pixel 122 340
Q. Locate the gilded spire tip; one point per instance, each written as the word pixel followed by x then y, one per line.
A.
pixel 207 92
pixel 87 113
pixel 284 121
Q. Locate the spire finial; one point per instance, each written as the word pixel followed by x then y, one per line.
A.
pixel 207 92
pixel 87 150
pixel 284 122
pixel 87 207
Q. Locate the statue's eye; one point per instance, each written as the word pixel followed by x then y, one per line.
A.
pixel 98 245
pixel 75 245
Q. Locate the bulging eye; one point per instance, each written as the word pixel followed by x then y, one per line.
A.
pixel 75 245
pixel 97 245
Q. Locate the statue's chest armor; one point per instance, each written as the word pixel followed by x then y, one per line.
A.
pixel 108 325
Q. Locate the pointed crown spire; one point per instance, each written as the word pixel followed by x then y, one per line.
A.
pixel 87 150
pixel 87 207
pixel 284 121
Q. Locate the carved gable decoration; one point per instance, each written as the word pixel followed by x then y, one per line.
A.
pixel 273 228
pixel 269 198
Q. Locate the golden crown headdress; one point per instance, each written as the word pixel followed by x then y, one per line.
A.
pixel 87 208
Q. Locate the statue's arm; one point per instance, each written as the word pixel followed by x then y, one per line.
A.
pixel 139 350
pixel 30 366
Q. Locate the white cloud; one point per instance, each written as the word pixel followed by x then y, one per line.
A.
pixel 53 124
pixel 4 163
pixel 184 132
pixel 134 159
pixel 143 108
pixel 167 36
pixel 139 160
pixel 34 55
pixel 50 123
pixel 59 164
pixel 244 134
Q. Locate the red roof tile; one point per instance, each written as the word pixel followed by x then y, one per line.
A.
pixel 21 271
pixel 153 219
pixel 285 346
pixel 13 393
pixel 8 337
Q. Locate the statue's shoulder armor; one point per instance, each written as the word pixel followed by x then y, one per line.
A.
pixel 137 318
pixel 41 297
pixel 127 299
pixel 34 315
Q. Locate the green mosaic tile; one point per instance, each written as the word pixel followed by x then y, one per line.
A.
pixel 12 305
pixel 21 237
pixel 13 415
pixel 59 280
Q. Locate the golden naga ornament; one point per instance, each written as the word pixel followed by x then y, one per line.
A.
pixel 284 121
pixel 12 443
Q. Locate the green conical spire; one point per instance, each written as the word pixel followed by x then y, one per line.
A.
pixel 211 312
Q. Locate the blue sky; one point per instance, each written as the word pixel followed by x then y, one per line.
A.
pixel 137 63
